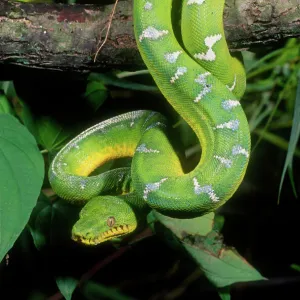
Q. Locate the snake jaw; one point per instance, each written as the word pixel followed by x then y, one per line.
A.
pixel 111 233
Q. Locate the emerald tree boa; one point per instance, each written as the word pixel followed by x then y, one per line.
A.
pixel 204 84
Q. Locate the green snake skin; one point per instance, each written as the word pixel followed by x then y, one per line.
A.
pixel 203 83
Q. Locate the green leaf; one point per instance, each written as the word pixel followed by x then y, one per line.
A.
pixel 200 237
pixel 94 291
pixel 263 85
pixel 51 221
pixel 280 57
pixel 25 115
pixel 110 79
pixel 51 135
pixel 295 267
pixel 8 88
pixel 181 227
pixel 40 221
pixel 264 109
pixel 96 93
pixel 224 293
pixel 124 74
pixel 67 286
pixel 295 132
pixel 225 268
pixel 5 106
pixel 94 86
pixel 21 108
pixel 21 178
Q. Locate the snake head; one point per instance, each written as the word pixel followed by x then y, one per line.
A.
pixel 104 218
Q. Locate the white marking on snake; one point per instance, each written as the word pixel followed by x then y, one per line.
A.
pixel 201 79
pixel 121 176
pixel 231 88
pixel 149 117
pixel 156 124
pixel 180 72
pixel 150 187
pixel 209 41
pixel 96 128
pixel 75 146
pixel 224 161
pixel 206 189
pixel 143 149
pixel 82 185
pixel 152 33
pixel 233 125
pixel 132 122
pixel 230 104
pixel 172 56
pixel 199 2
pixel 238 149
pixel 133 118
pixel 148 6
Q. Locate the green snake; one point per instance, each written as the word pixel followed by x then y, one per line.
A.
pixel 203 83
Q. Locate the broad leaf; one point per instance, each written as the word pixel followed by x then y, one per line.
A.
pixel 201 238
pixel 21 178
pixel 51 135
pixel 51 221
pixel 183 227
pixel 40 222
pixel 67 286
pixel 224 267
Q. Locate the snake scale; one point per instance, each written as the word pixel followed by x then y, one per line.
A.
pixel 203 83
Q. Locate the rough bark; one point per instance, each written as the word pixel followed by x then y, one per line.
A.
pixel 65 37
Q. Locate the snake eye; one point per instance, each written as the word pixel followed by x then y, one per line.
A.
pixel 111 221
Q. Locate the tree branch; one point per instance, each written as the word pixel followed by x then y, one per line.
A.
pixel 65 37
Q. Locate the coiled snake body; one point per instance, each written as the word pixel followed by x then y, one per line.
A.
pixel 203 83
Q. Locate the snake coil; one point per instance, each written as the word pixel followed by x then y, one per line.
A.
pixel 203 83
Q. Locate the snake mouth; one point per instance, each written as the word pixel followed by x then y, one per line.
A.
pixel 113 232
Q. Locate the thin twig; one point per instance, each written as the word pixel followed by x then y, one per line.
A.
pixel 108 29
pixel 86 276
pixel 102 263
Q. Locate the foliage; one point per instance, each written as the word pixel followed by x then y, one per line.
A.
pixel 21 177
pixel 283 77
pixel 28 139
